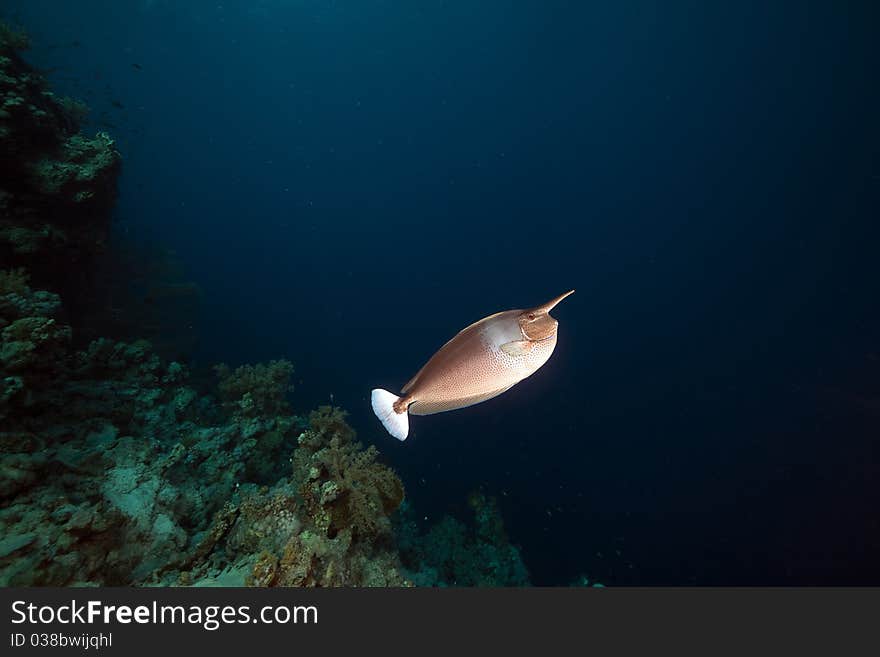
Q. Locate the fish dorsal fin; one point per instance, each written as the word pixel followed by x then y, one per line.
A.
pixel 517 347
pixel 472 327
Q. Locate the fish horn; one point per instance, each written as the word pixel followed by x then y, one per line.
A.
pixel 547 307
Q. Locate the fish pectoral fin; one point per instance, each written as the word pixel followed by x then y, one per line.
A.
pixel 517 347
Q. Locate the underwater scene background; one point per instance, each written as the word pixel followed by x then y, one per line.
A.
pixel 319 194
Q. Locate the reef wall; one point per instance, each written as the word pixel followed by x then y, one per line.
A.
pixel 57 186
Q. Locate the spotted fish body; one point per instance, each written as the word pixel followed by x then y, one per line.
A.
pixel 472 367
pixel 482 361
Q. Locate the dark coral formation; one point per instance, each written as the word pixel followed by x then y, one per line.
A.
pixel 57 186
pixel 254 390
pixel 116 469
pixel 327 524
pixel 452 554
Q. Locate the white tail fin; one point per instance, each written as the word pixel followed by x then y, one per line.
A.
pixel 397 424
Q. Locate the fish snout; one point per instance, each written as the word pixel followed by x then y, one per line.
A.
pixel 550 305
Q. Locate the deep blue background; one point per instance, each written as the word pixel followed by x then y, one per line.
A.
pixel 352 182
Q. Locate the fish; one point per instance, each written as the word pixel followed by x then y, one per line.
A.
pixel 482 361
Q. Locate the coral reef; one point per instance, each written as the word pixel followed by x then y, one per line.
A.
pixel 106 450
pixel 328 523
pixel 82 437
pixel 57 186
pixel 116 469
pixel 13 38
pixel 254 390
pixel 451 554
pixel 342 486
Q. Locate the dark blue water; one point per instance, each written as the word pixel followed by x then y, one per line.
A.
pixel 352 182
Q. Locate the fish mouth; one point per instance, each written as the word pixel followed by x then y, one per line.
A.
pixel 550 305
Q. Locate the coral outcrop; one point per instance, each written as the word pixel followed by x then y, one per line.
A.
pixel 57 186
pixel 327 524
pixel 452 554
pixel 254 390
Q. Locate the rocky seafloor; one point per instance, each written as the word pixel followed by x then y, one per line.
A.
pixel 117 468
